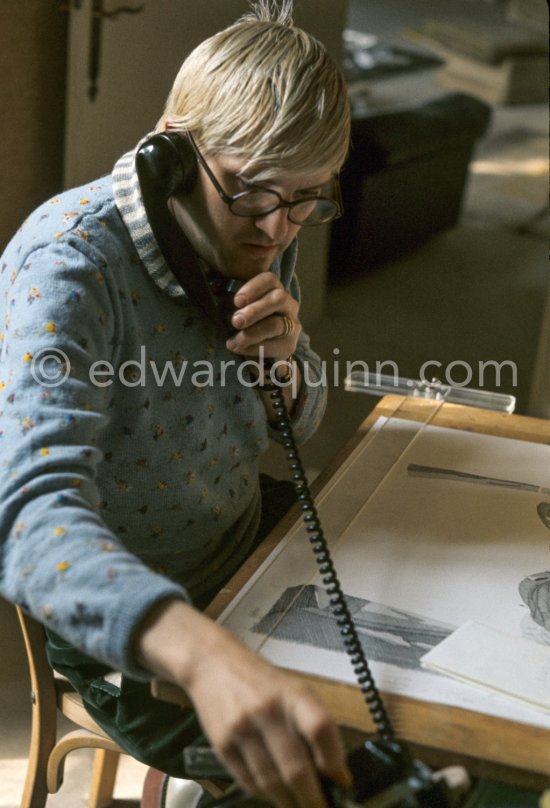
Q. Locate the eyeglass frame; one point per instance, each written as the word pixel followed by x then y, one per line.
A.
pixel 231 199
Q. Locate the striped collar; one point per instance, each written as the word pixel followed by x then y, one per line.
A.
pixel 130 205
pixel 129 202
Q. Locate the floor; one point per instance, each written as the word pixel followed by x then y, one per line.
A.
pixel 473 293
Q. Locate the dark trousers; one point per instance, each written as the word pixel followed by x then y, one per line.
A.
pixel 150 730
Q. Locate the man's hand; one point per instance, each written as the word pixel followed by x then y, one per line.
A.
pixel 268 730
pixel 265 311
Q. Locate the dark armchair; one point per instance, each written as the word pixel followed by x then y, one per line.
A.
pixel 404 179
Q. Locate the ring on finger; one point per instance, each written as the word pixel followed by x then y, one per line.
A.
pixel 288 326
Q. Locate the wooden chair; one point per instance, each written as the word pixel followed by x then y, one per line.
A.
pixel 50 693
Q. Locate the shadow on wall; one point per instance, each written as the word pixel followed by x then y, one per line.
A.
pixel 32 90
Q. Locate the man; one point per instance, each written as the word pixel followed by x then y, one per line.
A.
pixel 130 441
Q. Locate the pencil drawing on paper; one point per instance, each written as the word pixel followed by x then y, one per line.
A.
pixel 302 614
pixel 433 473
pixel 416 470
pixel 535 593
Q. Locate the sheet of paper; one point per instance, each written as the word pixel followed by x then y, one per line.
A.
pixel 423 540
pixel 479 655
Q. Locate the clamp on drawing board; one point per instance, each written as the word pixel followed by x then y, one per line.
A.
pixel 378 384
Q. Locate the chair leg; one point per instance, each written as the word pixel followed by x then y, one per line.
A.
pixel 35 790
pixel 44 715
pixel 103 778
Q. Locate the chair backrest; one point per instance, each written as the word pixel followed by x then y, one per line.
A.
pixel 47 753
pixel 42 677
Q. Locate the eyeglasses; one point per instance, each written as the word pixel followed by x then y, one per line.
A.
pixel 309 210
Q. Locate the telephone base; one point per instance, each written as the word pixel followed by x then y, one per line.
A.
pixel 384 776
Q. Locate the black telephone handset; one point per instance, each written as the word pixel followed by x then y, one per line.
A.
pixel 384 773
pixel 167 166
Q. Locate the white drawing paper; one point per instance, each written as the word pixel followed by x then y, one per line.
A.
pixel 441 549
pixel 491 659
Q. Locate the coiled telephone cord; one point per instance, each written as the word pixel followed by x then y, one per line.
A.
pixel 321 550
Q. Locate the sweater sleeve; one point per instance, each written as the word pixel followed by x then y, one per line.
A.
pixel 58 559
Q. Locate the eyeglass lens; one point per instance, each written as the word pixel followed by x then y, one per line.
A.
pixel 308 211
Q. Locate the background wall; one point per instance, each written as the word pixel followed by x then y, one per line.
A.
pixel 140 56
pixel 32 98
pixel 53 136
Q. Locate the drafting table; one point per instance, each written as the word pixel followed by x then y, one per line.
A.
pixel 489 743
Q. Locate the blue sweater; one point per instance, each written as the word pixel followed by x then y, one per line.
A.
pixel 128 449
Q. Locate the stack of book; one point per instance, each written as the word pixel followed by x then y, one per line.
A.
pixel 531 13
pixel 502 62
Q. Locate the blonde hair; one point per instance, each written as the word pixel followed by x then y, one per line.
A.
pixel 265 91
